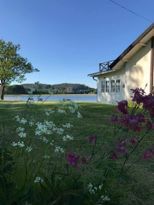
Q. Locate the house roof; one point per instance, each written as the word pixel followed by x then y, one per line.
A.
pixel 129 51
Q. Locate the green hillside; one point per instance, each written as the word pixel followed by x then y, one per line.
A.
pixel 39 88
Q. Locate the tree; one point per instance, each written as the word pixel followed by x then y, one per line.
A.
pixel 13 67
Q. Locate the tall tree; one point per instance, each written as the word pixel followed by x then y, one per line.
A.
pixel 13 67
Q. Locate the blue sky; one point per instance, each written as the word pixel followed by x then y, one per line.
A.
pixel 66 39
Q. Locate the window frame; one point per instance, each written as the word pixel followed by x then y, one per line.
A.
pixel 113 86
pixel 107 86
pixel 118 85
pixel 103 86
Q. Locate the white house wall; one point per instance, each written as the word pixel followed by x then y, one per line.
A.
pixel 135 73
pixel 111 98
pixel 137 70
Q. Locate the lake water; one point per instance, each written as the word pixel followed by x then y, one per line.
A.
pixel 76 98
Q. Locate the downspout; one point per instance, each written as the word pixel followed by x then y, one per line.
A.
pixel 97 86
pixel 94 78
pixel 152 67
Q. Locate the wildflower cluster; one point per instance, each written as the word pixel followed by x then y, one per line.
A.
pixel 100 191
pixel 54 137
pixel 138 119
pixel 93 189
pixel 123 147
pixel 147 101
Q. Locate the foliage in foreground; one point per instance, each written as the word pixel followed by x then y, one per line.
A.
pixel 45 163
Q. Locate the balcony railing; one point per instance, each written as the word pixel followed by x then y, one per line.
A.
pixel 103 67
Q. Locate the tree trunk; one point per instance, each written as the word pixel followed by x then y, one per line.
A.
pixel 2 90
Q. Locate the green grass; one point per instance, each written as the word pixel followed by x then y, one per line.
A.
pixel 96 120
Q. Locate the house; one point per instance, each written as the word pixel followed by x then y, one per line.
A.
pixel 134 68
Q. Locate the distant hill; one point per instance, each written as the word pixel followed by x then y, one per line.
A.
pixel 39 88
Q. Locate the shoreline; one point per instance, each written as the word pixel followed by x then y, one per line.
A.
pixel 50 94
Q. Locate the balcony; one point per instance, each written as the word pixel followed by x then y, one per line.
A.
pixel 105 66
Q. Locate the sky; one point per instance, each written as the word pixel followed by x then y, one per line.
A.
pixel 67 39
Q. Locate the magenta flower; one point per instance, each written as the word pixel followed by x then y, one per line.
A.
pixel 133 140
pixel 114 156
pixel 92 139
pixel 148 104
pixel 121 147
pixel 123 106
pixel 148 154
pixel 114 119
pixel 84 160
pixel 72 159
pixel 149 125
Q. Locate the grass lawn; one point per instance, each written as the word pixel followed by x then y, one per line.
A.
pixel 138 189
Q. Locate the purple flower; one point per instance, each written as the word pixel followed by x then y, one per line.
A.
pixel 138 96
pixel 148 104
pixel 92 139
pixel 72 159
pixel 133 122
pixel 123 106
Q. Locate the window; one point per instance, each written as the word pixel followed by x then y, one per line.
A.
pixel 117 85
pixel 107 86
pixel 112 85
pixel 102 86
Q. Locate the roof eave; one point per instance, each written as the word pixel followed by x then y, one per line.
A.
pixel 100 73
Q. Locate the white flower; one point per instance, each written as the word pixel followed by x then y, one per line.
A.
pixel 46 157
pixel 75 105
pixel 22 135
pixel 67 125
pixel 59 131
pixel 61 111
pixel 14 144
pixel 20 129
pixel 27 203
pixel 59 149
pixel 28 148
pixel 67 138
pixel 92 189
pixel 21 144
pixel 31 123
pixel 44 139
pixel 52 142
pixel 38 180
pixel 100 186
pixel 44 128
pixel 105 198
pixel 23 121
pixel 49 124
pixel 79 115
pixel 18 144
pixel 48 112
pixel 90 186
pixel 17 118
pixel 71 109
